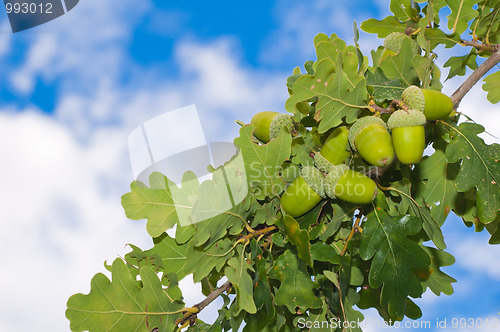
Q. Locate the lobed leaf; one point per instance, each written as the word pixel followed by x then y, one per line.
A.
pixel 297 288
pixel 383 27
pixel 124 304
pixel 162 203
pixel 437 184
pixel 384 239
pixel 480 167
pixel 236 272
pixel 401 66
pixel 299 238
pixel 433 278
pixel 264 162
pixel 492 86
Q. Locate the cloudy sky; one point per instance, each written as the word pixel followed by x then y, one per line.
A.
pixel 73 89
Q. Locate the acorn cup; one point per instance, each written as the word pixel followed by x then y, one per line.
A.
pixel 408 135
pixel 434 104
pixel 349 185
pixel 369 136
pixel 268 124
pixel 333 151
pixel 304 193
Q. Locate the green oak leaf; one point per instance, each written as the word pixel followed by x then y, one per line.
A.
pixel 201 262
pixel 383 27
pixel 299 238
pixel 436 185
pixel 384 240
pixel 402 10
pixel 494 229
pixel 163 203
pixel 296 289
pixel 323 252
pixel 262 292
pixel 492 86
pixel 236 273
pixel 172 254
pixel 480 167
pixel 263 162
pixel 124 304
pixel 458 64
pixel 328 48
pixel 400 66
pixel 461 14
pixel 433 278
pixel 341 92
pixel 384 88
pixel 437 36
pixel 422 211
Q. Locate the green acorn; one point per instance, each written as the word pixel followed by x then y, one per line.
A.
pixel 268 124
pixel 434 104
pixel 350 186
pixel 333 151
pixel 369 136
pixel 394 41
pixel 304 193
pixel 408 135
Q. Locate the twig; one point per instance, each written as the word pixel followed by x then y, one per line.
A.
pixel 462 90
pixel 353 230
pixel 480 46
pixel 209 299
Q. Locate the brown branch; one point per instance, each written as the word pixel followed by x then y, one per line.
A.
pixel 480 71
pixel 203 304
pixel 480 46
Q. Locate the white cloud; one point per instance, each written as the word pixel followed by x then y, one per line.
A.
pixel 479 257
pixel 60 217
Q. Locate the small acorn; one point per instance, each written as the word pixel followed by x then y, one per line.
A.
pixel 434 104
pixel 304 193
pixel 369 136
pixel 408 135
pixel 393 43
pixel 349 185
pixel 268 124
pixel 333 151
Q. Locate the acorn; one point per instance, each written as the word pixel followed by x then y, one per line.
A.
pixel 408 135
pixel 393 43
pixel 333 151
pixel 349 185
pixel 434 104
pixel 304 193
pixel 268 124
pixel 369 136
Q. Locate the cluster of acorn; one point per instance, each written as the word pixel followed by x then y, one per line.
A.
pixel 370 137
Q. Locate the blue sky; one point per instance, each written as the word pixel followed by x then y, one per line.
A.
pixel 73 89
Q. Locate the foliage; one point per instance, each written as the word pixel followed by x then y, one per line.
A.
pixel 284 272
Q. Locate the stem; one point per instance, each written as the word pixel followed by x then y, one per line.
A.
pixel 462 90
pixel 209 299
pixel 241 123
pixel 351 234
